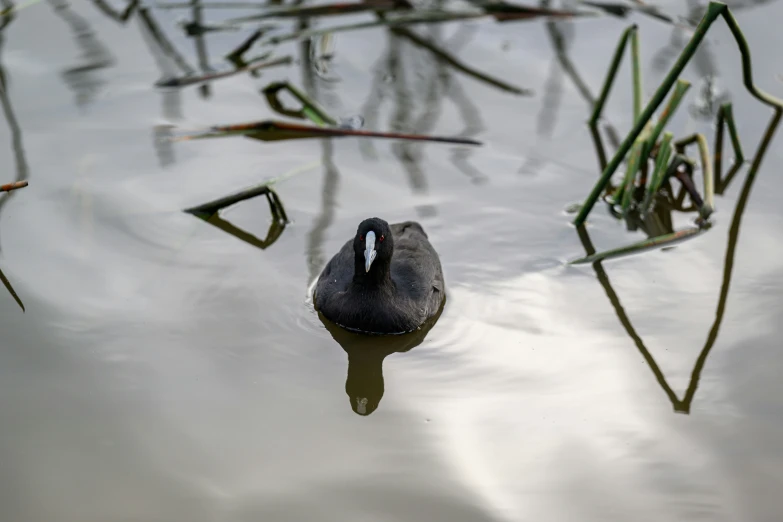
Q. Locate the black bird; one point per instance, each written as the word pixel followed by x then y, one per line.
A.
pixel 386 280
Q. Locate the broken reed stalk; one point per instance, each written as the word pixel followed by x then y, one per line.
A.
pixel 709 185
pixel 8 187
pixel 678 161
pixel 661 162
pixel 686 180
pixel 665 240
pixel 714 10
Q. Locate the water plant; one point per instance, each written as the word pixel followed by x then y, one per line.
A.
pixel 654 156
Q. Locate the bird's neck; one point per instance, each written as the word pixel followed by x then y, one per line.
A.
pixel 379 275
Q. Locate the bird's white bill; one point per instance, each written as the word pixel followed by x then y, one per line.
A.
pixel 369 250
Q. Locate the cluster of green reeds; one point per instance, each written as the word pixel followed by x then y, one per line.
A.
pixel 653 157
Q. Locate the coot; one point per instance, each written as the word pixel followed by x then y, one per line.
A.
pixel 386 280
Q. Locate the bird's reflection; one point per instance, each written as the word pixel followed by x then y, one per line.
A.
pixel 364 384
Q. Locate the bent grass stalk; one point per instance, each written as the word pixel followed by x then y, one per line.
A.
pixel 665 240
pixel 709 185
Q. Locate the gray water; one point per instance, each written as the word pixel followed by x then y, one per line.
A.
pixel 165 370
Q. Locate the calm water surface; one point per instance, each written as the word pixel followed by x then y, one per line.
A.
pixel 165 370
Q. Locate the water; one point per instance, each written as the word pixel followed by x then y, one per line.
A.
pixel 165 370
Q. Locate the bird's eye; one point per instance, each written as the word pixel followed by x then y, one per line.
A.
pixel 361 238
pixel 381 239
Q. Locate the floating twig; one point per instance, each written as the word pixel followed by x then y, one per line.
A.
pixel 210 211
pixel 8 187
pixel 622 10
pixel 11 290
pixel 310 110
pixel 336 9
pixel 642 246
pixel 704 153
pixel 272 130
pixel 187 81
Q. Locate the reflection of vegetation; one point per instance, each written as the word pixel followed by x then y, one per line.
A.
pixel 364 382
pixel 95 55
pixel 210 212
pixel 22 172
pixel 560 32
pixel 331 174
pixel 117 16
pixel 445 57
pixel 640 185
pixel 684 405
pixel 202 79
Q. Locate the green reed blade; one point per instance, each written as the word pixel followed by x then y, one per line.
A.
pixel 630 176
pixel 661 162
pixel 680 88
pixel 709 183
pixel 637 75
pixel 665 240
pixel 611 74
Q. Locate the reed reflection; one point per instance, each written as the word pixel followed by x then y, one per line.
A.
pixel 83 79
pixel 17 145
pixel 683 405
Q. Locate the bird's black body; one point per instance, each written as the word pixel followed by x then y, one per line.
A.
pixel 402 288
